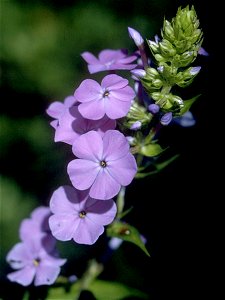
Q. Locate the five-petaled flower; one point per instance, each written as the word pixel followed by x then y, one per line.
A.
pixel 104 164
pixel 109 60
pixel 77 216
pixel 113 97
pixel 35 257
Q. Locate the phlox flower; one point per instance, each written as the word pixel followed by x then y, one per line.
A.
pixel 113 97
pixel 35 257
pixel 33 262
pixel 77 216
pixel 104 164
pixel 72 125
pixel 56 109
pixel 109 60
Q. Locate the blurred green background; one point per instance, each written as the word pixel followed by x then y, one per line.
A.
pixel 41 42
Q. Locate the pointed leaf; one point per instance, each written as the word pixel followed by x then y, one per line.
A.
pixel 187 105
pixel 127 233
pixel 103 290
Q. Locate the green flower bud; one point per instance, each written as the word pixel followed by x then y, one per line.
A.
pixel 186 77
pixel 154 47
pixel 185 26
pixel 168 31
pixel 167 49
pixel 137 115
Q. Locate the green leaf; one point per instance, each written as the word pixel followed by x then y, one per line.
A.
pixel 158 166
pixel 103 290
pixel 151 150
pixel 164 164
pixel 187 105
pixel 127 233
pixel 59 293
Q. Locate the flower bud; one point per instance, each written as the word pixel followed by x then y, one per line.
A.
pixel 135 35
pixel 136 125
pixel 153 108
pixel 138 73
pixel 166 119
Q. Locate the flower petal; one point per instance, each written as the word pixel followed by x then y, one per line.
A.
pixel 89 146
pixel 125 94
pixel 64 225
pixel 46 274
pixel 88 90
pixel 109 55
pixel 66 131
pixel 82 173
pixel 66 199
pixel 101 212
pixel 115 145
pixel 24 276
pixel 116 109
pixel 55 109
pixel 89 58
pixel 93 110
pixel 87 232
pixel 123 170
pixel 96 68
pixel 114 82
pixel 19 256
pixel 69 101
pixel 104 187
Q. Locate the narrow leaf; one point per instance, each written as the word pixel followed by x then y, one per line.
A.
pixel 127 233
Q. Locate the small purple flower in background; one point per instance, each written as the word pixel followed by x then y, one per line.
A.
pixel 136 125
pixel 72 125
pixel 77 216
pixel 109 60
pixel 33 262
pixel 113 97
pixel 56 109
pixel 103 164
pixel 187 120
pixel 35 258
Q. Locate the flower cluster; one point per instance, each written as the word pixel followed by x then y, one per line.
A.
pixel 103 162
pixel 35 257
pixel 106 124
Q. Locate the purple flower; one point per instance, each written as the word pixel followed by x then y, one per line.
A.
pixel 56 109
pixel 33 262
pixel 104 165
pixel 113 97
pixel 35 258
pixel 109 60
pixel 77 216
pixel 72 125
pixel 187 120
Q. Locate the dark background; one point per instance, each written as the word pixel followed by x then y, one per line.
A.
pixel 41 42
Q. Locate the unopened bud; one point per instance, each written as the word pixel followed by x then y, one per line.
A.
pixel 166 119
pixel 136 125
pixel 153 108
pixel 135 35
pixel 138 72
